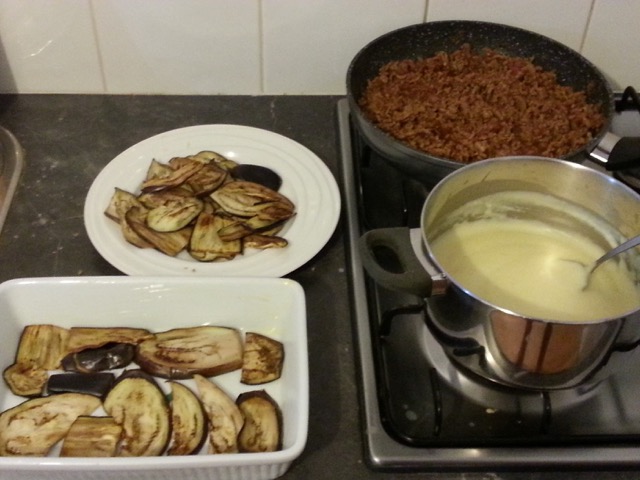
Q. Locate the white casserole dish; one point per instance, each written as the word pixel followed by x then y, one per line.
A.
pixel 271 306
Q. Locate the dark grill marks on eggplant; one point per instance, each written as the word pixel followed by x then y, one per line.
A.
pixel 140 418
pixel 182 352
pixel 203 204
pixel 189 424
pixel 262 430
pixel 137 403
pixel 263 359
pixel 92 437
pixel 36 425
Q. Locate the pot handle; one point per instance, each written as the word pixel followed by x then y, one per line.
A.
pixel 406 274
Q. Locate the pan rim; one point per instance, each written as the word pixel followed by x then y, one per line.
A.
pixel 363 123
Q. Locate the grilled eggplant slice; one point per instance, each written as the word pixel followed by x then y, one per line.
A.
pixel 158 170
pixel 234 231
pixel 138 405
pixel 176 178
pixel 162 216
pixel 35 426
pixel 174 215
pixel 83 338
pixel 262 430
pixel 155 199
pixel 25 380
pixel 129 233
pixel 41 348
pixel 169 243
pixel 262 242
pixel 208 156
pixel 189 424
pixel 183 352
pixel 247 199
pixel 225 418
pixel 262 360
pixel 207 179
pixel 120 202
pixel 92 437
pixel 206 245
pixel 107 357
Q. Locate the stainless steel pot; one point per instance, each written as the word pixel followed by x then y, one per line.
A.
pixel 496 343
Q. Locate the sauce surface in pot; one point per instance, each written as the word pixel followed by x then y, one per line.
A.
pixel 531 267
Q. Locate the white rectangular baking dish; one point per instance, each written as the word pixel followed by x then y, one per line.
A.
pixel 271 306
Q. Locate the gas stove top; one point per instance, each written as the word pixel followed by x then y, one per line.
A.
pixel 420 412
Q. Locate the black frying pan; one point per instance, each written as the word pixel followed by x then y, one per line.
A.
pixel 426 39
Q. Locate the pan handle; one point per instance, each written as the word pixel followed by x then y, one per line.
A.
pixel 389 257
pixel 617 153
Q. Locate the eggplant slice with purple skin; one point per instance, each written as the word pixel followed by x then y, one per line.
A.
pixel 137 403
pixel 169 243
pixel 41 348
pixel 35 426
pixel 225 418
pixel 206 202
pixel 262 360
pixel 189 424
pixel 106 357
pixel 262 430
pixel 183 352
pixel 257 174
pixel 97 384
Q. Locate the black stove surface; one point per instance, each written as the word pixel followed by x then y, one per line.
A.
pixel 420 411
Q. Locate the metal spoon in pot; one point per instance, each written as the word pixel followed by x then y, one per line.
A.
pixel 623 247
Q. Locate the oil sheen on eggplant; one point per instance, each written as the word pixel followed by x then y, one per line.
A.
pixel 141 419
pixel 137 403
pixel 107 357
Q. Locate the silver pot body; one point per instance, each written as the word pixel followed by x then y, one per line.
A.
pixel 489 340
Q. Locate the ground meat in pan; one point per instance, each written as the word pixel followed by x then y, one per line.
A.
pixel 467 106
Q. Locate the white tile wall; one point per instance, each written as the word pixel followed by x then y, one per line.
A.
pixel 564 21
pixel 48 46
pixel 307 45
pixel 613 40
pixel 185 46
pixel 263 46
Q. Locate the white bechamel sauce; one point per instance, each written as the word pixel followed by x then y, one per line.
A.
pixel 529 267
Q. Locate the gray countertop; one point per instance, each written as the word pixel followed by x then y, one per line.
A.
pixel 68 139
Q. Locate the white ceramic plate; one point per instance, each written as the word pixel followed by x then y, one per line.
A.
pixel 306 181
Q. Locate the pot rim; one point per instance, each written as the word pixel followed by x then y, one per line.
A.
pixel 510 159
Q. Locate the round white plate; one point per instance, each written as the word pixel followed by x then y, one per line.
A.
pixel 306 181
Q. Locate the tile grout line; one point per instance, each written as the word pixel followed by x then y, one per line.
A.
pixel 261 46
pixel 585 32
pixel 96 39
